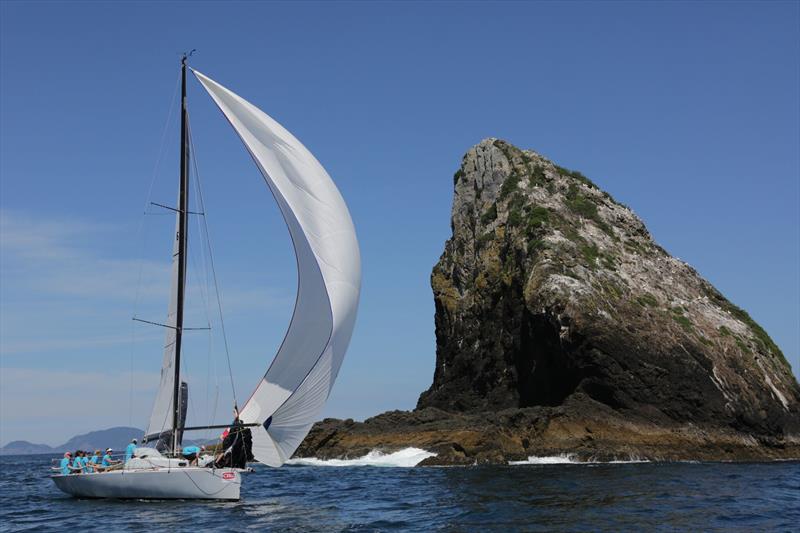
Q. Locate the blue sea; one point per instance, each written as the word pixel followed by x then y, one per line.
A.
pixel 550 494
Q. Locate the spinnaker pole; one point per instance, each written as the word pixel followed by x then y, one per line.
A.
pixel 183 228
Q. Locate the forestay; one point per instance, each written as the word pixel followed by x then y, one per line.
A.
pixel 296 386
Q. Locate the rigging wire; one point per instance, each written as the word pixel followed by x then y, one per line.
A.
pixel 211 262
pixel 196 277
pixel 140 239
pixel 202 281
pixel 210 360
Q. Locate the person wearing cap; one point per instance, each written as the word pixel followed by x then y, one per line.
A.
pixel 107 460
pixel 64 466
pixel 94 461
pixel 130 450
pixel 104 463
pixel 191 453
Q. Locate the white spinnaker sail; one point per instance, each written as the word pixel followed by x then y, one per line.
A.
pixel 161 416
pixel 290 397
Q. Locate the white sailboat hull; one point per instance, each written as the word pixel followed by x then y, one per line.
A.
pixel 189 483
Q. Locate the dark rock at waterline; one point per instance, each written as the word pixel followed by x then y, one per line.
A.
pixel 580 428
pixel 561 326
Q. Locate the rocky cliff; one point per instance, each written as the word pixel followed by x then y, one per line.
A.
pixel 549 287
pixel 561 326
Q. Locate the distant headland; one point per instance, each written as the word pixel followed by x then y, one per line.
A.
pixel 116 438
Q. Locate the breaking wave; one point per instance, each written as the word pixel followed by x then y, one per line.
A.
pixel 406 457
pixel 569 459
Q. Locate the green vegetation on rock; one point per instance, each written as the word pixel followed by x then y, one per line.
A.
pixel 536 176
pixel 742 346
pixel 680 318
pixel 515 216
pixel 647 300
pixel 577 175
pixel 585 207
pixel 484 239
pixel 535 245
pixel 590 254
pixel 609 261
pixel 634 247
pixel 760 336
pixel 489 215
pixel 509 185
pixel 579 203
pixel 537 217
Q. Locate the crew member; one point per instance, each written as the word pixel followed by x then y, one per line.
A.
pixel 191 453
pixel 77 464
pixel 107 461
pixel 65 470
pixel 236 445
pixel 85 462
pixel 130 450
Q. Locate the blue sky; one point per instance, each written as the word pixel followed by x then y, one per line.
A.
pixel 687 112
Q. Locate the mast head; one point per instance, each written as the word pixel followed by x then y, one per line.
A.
pixel 187 55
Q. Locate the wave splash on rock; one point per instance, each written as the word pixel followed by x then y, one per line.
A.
pixel 571 459
pixel 404 458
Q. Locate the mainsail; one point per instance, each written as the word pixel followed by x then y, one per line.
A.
pixel 164 439
pixel 291 395
pixel 161 416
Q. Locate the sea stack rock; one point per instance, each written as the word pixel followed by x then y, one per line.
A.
pixel 549 288
pixel 563 328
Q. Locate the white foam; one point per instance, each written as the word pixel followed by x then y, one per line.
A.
pixel 404 458
pixel 547 460
pixel 569 459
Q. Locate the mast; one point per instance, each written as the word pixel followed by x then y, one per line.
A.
pixel 183 227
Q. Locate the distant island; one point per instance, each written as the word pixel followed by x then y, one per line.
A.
pixel 116 438
pixel 563 328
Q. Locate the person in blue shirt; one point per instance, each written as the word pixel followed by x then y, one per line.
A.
pixel 85 462
pixel 94 461
pixel 191 453
pixel 130 450
pixel 65 470
pixel 107 462
pixel 101 462
pixel 77 464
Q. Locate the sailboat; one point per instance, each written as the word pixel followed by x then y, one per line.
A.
pixel 291 395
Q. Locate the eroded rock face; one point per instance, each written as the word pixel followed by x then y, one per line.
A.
pixel 548 289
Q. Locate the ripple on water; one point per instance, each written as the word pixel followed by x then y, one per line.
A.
pixel 652 496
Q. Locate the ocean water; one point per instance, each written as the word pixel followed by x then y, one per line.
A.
pixel 378 493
